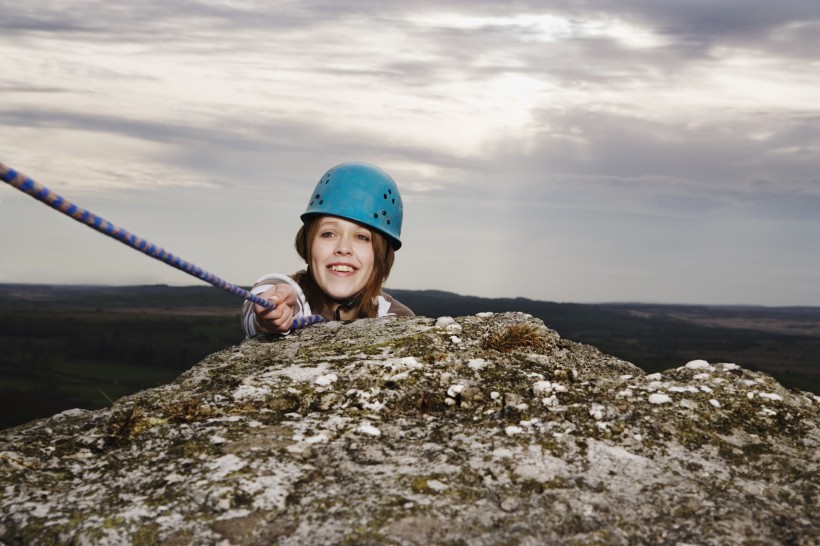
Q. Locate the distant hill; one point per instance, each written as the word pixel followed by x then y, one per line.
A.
pixel 82 346
pixel 782 341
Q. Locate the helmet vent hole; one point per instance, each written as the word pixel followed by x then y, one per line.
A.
pixel 394 201
pixel 388 222
pixel 376 215
pixel 384 213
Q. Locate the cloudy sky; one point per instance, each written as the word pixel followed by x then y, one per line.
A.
pixel 578 151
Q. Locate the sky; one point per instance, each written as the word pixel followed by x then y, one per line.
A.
pixel 572 151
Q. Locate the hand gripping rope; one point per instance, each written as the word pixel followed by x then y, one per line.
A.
pixel 55 201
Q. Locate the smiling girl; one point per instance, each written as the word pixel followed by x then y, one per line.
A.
pixel 350 232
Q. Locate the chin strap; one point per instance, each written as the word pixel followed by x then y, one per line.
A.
pixel 57 202
pixel 349 304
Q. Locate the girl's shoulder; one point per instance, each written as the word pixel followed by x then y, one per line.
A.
pixel 396 307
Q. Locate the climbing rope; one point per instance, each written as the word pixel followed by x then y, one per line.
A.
pixel 55 201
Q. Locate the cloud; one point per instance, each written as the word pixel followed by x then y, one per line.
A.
pixel 591 122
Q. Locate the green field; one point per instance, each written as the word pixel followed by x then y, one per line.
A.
pixel 85 350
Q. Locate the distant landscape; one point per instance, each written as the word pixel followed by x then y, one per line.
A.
pixel 67 347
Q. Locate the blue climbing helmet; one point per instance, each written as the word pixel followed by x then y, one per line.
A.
pixel 360 192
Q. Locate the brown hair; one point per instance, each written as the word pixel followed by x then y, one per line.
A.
pixel 383 257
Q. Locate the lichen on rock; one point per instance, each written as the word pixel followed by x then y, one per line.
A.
pixel 485 429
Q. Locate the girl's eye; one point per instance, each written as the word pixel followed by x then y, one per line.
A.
pixel 363 237
pixel 326 234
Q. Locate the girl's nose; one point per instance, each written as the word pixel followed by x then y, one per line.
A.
pixel 342 246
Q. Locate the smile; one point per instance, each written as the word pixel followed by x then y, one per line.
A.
pixel 342 268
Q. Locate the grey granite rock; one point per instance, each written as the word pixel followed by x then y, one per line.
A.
pixel 487 429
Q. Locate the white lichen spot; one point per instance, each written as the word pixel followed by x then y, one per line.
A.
pixel 512 430
pixel 410 363
pixel 771 396
pixel 541 388
pixel 659 398
pixel 688 388
pixel 320 438
pixel 768 412
pixel 704 388
pixel 215 439
pixel 550 401
pixel 477 363
pixel 455 390
pixel 173 477
pixel 597 412
pixel 325 380
pixel 443 322
pixel 249 393
pixel 626 377
pixel 714 402
pixel 269 492
pixel 449 401
pixel 455 339
pixel 654 376
pixel 437 486
pixel 369 430
pixel 750 395
pixel 689 404
pixel 485 314
pixel 701 376
pixel 376 405
pixel 698 365
pixel 225 465
pixel 401 367
pixel 73 412
pixel 453 328
pixel 495 395
pixel 626 393
pixel 728 366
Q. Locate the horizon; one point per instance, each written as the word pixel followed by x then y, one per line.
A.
pixel 567 151
pixel 448 292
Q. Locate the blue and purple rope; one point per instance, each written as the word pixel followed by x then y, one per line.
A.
pixel 57 202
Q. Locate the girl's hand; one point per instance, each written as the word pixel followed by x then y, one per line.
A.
pixel 279 320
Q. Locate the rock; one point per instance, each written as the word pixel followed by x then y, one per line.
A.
pixel 386 431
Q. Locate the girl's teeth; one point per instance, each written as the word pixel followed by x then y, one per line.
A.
pixel 343 268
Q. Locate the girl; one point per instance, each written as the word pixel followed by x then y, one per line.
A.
pixel 350 231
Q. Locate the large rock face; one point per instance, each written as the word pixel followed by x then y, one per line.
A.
pixel 487 429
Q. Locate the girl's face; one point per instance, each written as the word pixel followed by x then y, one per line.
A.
pixel 341 257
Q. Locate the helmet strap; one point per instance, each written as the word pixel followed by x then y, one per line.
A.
pixel 346 306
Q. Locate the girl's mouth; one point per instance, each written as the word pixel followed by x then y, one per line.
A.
pixel 341 268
